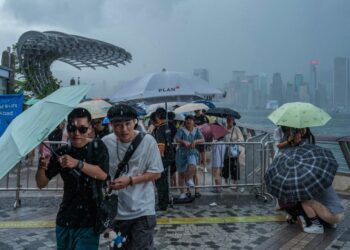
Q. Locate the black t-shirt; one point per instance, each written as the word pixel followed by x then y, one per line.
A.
pixel 78 207
pixel 164 135
pixel 201 119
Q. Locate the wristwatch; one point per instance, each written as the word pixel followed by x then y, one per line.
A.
pixel 80 165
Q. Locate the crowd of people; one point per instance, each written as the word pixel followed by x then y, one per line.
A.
pixel 168 146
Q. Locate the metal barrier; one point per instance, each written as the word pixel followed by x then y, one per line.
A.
pixel 252 168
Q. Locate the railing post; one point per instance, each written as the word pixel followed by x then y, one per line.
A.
pixel 18 185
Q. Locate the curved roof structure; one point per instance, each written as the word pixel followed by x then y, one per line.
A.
pixel 38 50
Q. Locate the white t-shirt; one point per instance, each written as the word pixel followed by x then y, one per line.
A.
pixel 137 200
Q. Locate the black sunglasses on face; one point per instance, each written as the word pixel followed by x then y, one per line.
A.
pixel 72 128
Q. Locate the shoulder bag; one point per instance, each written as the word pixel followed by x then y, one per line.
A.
pixel 107 203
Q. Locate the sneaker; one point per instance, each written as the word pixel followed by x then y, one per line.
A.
pixel 197 195
pixel 190 183
pixel 182 196
pixel 301 221
pixel 242 190
pixel 234 188
pixel 205 170
pixel 215 190
pixel 314 229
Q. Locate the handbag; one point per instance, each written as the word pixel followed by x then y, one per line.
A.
pixel 107 203
pixel 234 151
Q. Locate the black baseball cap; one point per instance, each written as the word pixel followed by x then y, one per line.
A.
pixel 121 112
pixel 189 117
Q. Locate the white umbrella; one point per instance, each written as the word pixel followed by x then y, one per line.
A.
pixel 97 108
pixel 189 107
pixel 165 86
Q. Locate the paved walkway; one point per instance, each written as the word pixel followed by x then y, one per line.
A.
pixel 238 221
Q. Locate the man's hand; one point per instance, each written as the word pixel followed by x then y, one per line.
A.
pixel 44 162
pixel 120 183
pixel 66 161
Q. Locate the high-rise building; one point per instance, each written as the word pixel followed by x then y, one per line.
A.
pixel 341 88
pixel 238 75
pixel 290 93
pixel 313 84
pixel 276 90
pixel 263 90
pixel 298 81
pixel 202 74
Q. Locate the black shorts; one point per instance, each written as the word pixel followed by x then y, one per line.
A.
pixel 231 169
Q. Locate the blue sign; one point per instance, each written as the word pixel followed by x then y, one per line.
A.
pixel 10 107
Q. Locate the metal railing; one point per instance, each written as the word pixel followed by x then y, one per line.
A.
pixel 257 155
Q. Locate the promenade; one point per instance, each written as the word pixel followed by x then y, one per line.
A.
pixel 231 220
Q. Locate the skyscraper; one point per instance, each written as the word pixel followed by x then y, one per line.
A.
pixel 313 84
pixel 202 74
pixel 341 92
pixel 276 90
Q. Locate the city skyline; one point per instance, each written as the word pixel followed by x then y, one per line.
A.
pixel 181 35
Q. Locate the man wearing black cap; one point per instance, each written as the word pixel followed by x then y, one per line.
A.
pixel 162 134
pixel 136 206
pixel 78 169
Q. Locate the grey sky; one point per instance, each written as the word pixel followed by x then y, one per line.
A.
pixel 254 35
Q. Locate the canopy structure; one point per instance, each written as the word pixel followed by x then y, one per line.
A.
pixel 38 50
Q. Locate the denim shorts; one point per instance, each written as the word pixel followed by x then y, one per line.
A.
pixel 183 160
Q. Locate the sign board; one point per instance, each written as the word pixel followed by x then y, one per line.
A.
pixel 10 107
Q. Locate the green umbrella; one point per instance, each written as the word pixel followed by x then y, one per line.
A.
pixel 32 126
pixel 31 101
pixel 299 115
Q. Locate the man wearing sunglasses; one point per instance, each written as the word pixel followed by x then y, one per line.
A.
pixel 136 198
pixel 78 166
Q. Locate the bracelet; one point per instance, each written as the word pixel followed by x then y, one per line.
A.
pixel 130 181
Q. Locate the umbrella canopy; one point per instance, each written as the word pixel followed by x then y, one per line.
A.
pixel 97 108
pixel 32 126
pixel 212 131
pixel 223 112
pixel 31 101
pixel 206 102
pixel 189 107
pixel 164 86
pixel 299 115
pixel 299 173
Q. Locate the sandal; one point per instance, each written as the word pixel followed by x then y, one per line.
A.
pixel 197 195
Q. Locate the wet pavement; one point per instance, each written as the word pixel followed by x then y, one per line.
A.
pixel 237 221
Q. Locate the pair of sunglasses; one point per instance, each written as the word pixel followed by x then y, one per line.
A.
pixel 72 128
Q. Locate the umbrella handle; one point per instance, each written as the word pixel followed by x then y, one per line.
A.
pixel 49 148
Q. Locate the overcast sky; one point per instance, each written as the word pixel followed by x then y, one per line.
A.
pixel 259 36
